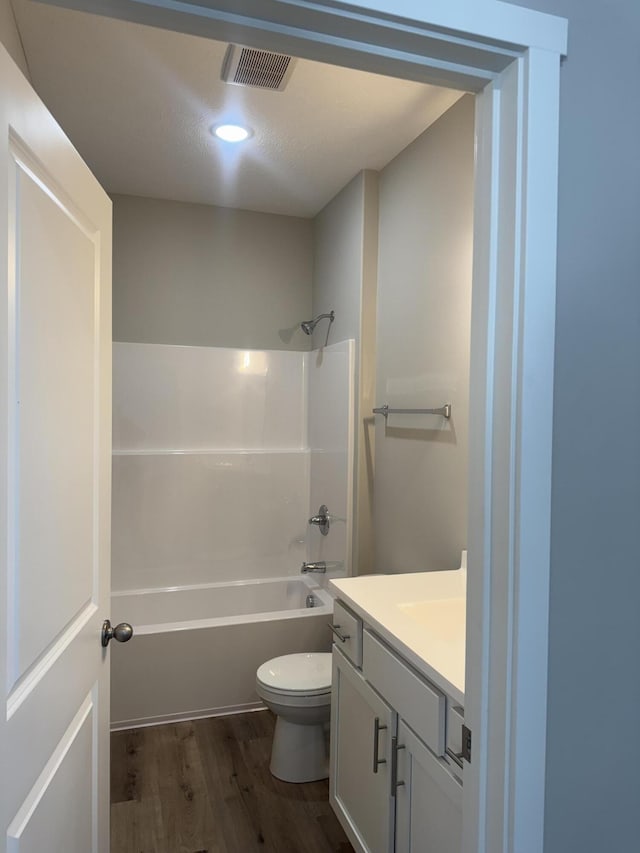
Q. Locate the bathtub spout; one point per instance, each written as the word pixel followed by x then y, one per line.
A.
pixel 320 566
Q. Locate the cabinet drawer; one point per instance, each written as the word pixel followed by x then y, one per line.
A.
pixel 453 757
pixel 415 699
pixel 455 719
pixel 347 633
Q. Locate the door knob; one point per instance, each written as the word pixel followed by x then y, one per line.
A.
pixel 122 632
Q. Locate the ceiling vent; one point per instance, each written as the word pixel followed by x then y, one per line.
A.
pixel 261 69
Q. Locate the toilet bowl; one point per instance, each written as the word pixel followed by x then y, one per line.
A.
pixel 297 688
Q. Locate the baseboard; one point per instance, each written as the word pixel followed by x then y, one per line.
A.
pixel 182 717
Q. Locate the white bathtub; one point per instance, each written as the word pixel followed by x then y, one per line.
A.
pixel 195 650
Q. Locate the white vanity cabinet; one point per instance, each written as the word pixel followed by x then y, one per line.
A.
pixel 428 799
pixel 362 725
pixel 391 785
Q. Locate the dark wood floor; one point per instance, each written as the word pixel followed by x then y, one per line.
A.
pixel 204 787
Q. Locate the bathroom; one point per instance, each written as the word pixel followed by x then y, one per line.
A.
pixel 212 490
pixel 232 427
pixel 254 522
pixel 349 255
pixel 205 495
pixel 531 547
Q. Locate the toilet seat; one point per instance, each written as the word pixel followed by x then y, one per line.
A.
pixel 292 699
pixel 273 691
pixel 304 674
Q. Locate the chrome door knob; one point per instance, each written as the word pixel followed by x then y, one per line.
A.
pixel 122 632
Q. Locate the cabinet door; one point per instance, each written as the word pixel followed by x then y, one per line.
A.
pixel 359 787
pixel 428 799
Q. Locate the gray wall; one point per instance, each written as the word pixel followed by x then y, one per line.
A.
pixel 365 542
pixel 9 36
pixel 197 275
pixel 344 280
pixel 337 266
pixel 423 341
pixel 593 794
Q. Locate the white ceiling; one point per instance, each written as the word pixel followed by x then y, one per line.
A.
pixel 138 104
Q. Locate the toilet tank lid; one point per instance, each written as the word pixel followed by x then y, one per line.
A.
pixel 300 672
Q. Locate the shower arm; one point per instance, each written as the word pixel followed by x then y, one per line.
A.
pixel 308 326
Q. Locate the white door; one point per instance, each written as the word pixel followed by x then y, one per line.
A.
pixel 428 799
pixel 55 431
pixel 359 785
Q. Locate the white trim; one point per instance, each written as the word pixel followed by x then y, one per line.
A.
pixel 490 19
pixel 471 43
pixel 462 45
pixel 42 785
pixel 153 590
pixel 214 451
pixel 510 478
pixel 539 176
pixel 205 713
pixel 480 460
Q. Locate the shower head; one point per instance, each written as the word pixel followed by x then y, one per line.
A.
pixel 309 325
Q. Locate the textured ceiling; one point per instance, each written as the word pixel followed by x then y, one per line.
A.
pixel 138 104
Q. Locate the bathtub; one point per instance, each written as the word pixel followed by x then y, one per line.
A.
pixel 195 650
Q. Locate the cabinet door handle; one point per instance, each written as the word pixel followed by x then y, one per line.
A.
pixel 395 748
pixel 377 728
pixel 336 630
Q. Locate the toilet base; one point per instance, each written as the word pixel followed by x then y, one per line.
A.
pixel 299 752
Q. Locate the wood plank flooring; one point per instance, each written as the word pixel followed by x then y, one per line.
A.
pixel 204 786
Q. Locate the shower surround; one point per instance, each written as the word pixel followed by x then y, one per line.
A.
pixel 220 457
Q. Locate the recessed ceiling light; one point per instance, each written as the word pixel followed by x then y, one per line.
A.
pixel 231 132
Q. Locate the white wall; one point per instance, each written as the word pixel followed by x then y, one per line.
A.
pixel 209 276
pixel 10 37
pixel 213 451
pixel 211 462
pixel 344 280
pixel 186 399
pixel 423 340
pixel 337 262
pixel 210 466
pixel 331 439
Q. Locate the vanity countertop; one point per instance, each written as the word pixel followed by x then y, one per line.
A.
pixel 421 614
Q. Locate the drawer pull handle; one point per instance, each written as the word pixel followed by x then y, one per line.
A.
pixel 456 757
pixel 377 728
pixel 395 747
pixel 336 630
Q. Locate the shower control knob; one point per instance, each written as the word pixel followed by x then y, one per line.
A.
pixel 122 632
pixel 322 520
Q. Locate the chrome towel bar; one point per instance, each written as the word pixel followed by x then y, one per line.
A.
pixel 445 411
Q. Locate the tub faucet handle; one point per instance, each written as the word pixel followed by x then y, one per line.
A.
pixel 319 566
pixel 322 519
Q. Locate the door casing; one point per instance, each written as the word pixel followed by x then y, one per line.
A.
pixel 510 57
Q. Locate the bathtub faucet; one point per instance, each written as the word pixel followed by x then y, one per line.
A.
pixel 320 566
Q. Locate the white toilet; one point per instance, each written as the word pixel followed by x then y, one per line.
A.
pixel 298 689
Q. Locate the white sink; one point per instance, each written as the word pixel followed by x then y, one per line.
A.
pixel 420 614
pixel 442 616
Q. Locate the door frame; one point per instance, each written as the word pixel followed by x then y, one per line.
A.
pixel 510 57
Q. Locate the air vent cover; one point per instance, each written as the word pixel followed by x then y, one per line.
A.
pixel 246 66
